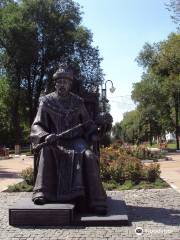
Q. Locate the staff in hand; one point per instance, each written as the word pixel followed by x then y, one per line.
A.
pixel 50 139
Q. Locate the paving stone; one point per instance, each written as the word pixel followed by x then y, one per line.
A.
pixel 156 211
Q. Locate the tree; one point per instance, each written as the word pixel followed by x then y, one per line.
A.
pixel 174 7
pixel 129 127
pixel 153 103
pixel 169 68
pixel 117 131
pixel 35 37
pixel 162 63
pixel 4 117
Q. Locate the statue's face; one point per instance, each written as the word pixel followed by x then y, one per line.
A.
pixel 63 86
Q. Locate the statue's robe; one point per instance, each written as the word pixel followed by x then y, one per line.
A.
pixel 62 174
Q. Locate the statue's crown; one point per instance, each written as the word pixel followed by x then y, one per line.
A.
pixel 63 72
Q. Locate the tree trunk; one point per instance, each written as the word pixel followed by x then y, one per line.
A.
pixel 150 133
pixel 15 101
pixel 16 120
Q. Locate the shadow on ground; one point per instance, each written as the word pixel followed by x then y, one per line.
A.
pixel 7 174
pixel 170 217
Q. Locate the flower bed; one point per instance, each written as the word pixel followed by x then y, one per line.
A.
pixel 119 170
pixel 117 164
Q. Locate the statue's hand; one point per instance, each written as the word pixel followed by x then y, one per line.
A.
pixel 51 138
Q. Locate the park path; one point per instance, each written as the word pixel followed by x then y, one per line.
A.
pixel 10 169
pixel 170 170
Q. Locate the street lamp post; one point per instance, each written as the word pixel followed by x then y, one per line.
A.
pixel 104 94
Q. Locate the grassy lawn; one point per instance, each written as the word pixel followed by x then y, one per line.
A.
pixel 111 185
pixel 169 145
pixel 20 187
pixel 129 185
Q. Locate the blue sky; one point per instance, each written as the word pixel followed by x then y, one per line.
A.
pixel 120 28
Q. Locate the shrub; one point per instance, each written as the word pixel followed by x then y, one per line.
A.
pixel 28 175
pixel 108 186
pixel 117 164
pixel 142 152
pixel 134 171
pixel 153 172
pixel 20 187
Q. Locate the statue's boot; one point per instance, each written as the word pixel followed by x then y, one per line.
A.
pixel 39 198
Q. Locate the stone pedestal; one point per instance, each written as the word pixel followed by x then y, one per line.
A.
pixel 25 212
pixel 116 215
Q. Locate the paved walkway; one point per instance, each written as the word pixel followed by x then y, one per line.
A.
pixel 170 171
pixel 10 169
pixel 156 211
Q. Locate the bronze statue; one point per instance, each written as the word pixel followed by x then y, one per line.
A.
pixel 62 132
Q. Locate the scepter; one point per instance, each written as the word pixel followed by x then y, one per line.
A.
pixel 60 135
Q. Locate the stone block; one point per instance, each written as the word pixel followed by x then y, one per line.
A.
pixel 25 212
pixel 116 216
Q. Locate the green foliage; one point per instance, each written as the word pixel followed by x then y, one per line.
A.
pixel 117 131
pixel 28 175
pixel 25 186
pixel 5 125
pixel 35 37
pixel 153 105
pixel 159 183
pixel 110 185
pixel 130 129
pixel 157 94
pixel 20 187
pixel 134 171
pixel 129 185
pixel 173 7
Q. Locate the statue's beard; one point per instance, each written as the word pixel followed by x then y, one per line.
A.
pixel 62 92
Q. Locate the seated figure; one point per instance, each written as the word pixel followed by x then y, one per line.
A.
pixel 68 169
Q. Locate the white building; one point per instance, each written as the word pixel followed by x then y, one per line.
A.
pixel 170 136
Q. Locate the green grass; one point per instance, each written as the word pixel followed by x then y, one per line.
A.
pixel 20 187
pixel 111 185
pixel 169 145
pixel 129 185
